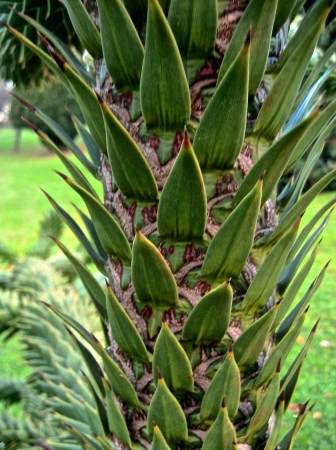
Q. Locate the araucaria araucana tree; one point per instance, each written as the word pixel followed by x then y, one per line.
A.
pixel 196 112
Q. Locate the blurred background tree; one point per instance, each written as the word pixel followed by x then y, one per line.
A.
pixel 53 100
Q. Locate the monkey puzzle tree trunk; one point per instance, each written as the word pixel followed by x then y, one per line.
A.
pixel 160 149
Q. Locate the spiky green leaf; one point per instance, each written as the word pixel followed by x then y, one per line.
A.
pixel 230 248
pixel 165 105
pixel 182 207
pixel 167 413
pixel 220 134
pixel 226 383
pixel 123 50
pixel 110 234
pixel 123 329
pixel 153 281
pixel 170 357
pixel 209 319
pixel 259 16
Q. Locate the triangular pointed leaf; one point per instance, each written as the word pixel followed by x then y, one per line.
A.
pixel 116 420
pixel 279 351
pixel 301 305
pixel 266 405
pixel 293 289
pixel 277 106
pixel 130 168
pixel 123 329
pixel 209 319
pixel 165 105
pixel 89 105
pixel 167 413
pixel 265 280
pixel 230 248
pixel 159 442
pixel 291 268
pixel 84 27
pixel 97 259
pixel 170 357
pixel 182 207
pixel 123 50
pixel 110 234
pixel 273 162
pixel 248 346
pixel 118 381
pixel 259 15
pixel 220 134
pixel 88 140
pixel 194 24
pixel 89 281
pixel 221 434
pixel 153 280
pixel 226 383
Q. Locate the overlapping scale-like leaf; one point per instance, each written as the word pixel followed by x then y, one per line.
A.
pixel 170 357
pixel 123 50
pixel 230 247
pixel 130 169
pixel 209 319
pixel 153 281
pixel 194 24
pixel 259 16
pixel 182 207
pixel 166 412
pixel 226 383
pixel 110 234
pixel 165 105
pixel 220 134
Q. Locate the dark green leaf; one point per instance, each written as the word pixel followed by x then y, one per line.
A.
pixel 123 50
pixel 266 405
pixel 279 351
pixel 90 283
pixel 164 89
pixel 116 420
pixel 182 207
pixel 194 24
pixel 277 106
pixel 89 105
pixel 159 442
pixel 226 383
pixel 301 305
pixel 221 434
pixel 265 280
pixel 84 27
pixel 88 141
pixel 168 415
pixel 273 162
pixel 298 209
pixel 248 346
pixel 220 134
pixel 230 248
pixel 153 281
pixel 97 259
pixel 259 15
pixel 170 357
pixel 110 234
pixel 209 319
pixel 123 329
pixel 130 168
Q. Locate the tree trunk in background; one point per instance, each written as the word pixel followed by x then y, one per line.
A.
pixel 17 141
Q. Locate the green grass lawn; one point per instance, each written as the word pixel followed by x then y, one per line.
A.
pixel 22 204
